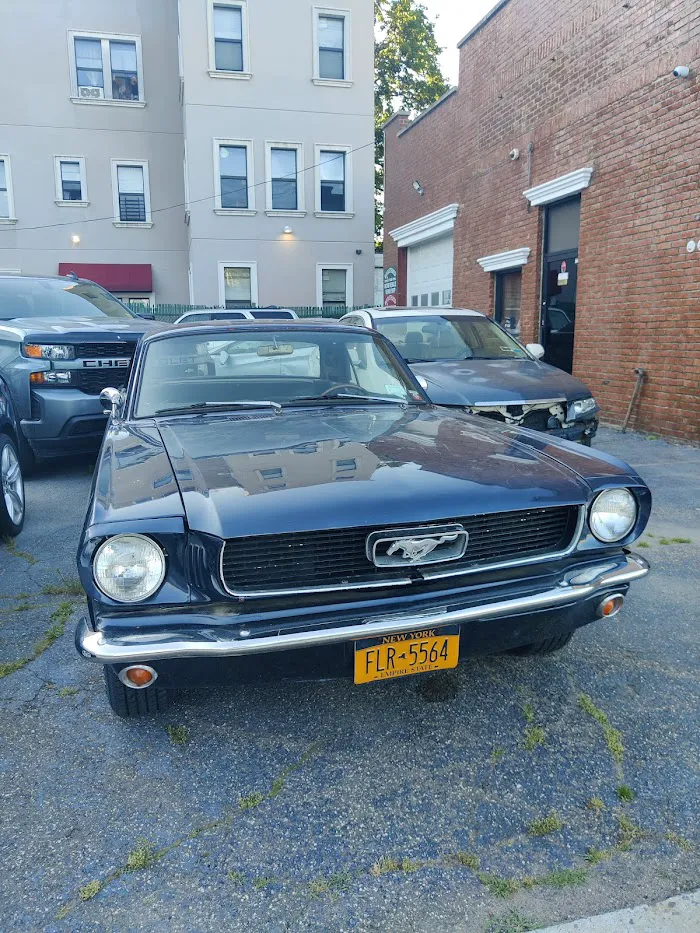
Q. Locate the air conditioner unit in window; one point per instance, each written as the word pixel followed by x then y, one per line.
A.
pixel 91 93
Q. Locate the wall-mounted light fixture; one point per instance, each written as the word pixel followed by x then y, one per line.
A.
pixel 418 187
pixel 287 230
pixel 75 239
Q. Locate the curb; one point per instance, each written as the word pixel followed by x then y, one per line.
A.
pixel 679 914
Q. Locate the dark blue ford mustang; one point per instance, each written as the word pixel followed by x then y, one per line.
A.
pixel 278 499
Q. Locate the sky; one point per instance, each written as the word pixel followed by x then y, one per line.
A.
pixel 454 20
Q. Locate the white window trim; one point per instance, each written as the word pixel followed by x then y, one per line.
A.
pixel 4 157
pixel 348 212
pixel 562 187
pixel 512 259
pixel 301 202
pixel 349 284
pixel 347 81
pixel 250 165
pixel 105 38
pixel 253 266
pixel 428 227
pixel 138 225
pixel 246 74
pixel 84 201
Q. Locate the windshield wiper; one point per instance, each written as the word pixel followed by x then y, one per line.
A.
pixel 204 406
pixel 342 397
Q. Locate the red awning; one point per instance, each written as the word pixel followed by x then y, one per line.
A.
pixel 115 277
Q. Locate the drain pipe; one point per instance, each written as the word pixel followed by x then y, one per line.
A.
pixel 641 375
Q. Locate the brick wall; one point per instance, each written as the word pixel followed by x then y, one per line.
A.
pixel 585 84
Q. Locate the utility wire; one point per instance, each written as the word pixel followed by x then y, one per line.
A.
pixel 172 207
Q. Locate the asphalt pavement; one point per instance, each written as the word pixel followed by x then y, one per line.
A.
pixel 510 794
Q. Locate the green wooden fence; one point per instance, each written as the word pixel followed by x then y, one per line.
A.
pixel 170 312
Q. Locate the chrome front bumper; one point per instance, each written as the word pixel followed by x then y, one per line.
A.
pixel 201 642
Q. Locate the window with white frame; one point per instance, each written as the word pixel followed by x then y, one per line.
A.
pixel 331 46
pixel 228 39
pixel 238 284
pixel 334 285
pixel 7 207
pixel 235 190
pixel 71 186
pixel 132 202
pixel 106 68
pixel 285 189
pixel 332 169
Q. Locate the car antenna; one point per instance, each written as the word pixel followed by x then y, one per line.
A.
pixel 72 275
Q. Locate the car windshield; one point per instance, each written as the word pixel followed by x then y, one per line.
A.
pixel 424 338
pixel 21 297
pixel 273 366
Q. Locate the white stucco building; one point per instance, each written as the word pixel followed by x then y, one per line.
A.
pixel 207 151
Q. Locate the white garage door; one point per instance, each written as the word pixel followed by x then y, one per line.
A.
pixel 430 273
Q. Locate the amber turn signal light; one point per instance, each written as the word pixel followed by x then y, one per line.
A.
pixel 610 606
pixel 137 676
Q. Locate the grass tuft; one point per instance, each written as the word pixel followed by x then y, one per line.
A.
pixel 595 804
pixel 262 882
pixel 68 586
pixel 545 825
pixel 179 735
pixel 629 832
pixel 499 887
pixel 563 877
pixel 90 890
pixel 625 793
pixel 512 922
pixel 250 801
pixel 533 736
pixel 387 864
pixel 236 877
pixel 596 856
pixel 59 618
pixel 613 737
pixel 497 754
pixel 68 691
pixel 10 545
pixel 679 841
pixel 642 544
pixel 143 856
pixel 466 860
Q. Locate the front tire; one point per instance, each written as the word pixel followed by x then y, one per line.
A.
pixel 11 488
pixel 128 703
pixel 548 646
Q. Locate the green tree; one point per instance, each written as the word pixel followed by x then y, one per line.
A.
pixel 407 73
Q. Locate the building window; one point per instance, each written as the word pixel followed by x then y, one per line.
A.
pixel 238 284
pixel 228 39
pixel 71 187
pixel 447 297
pixel 283 164
pixel 334 285
pixel 331 46
pixel 414 301
pixel 507 304
pixel 107 68
pixel 235 187
pixel 132 203
pixel 332 189
pixel 7 207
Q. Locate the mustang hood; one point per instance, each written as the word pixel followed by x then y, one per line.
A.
pixel 262 473
pixel 488 382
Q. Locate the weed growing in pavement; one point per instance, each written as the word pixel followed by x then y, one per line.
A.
pixel 497 754
pixel 596 856
pixel 23 607
pixel 613 737
pixel 236 877
pixel 143 856
pixel 340 881
pixel 642 544
pixel 563 877
pixel 595 804
pixel 179 735
pixel 59 618
pixel 68 586
pixel 387 864
pixel 90 890
pixel 68 691
pixel 499 887
pixel 506 887
pixel 625 793
pixel 263 882
pixel 679 841
pixel 10 545
pixel 533 735
pixel 250 801
pixel 465 859
pixel 545 825
pixel 512 922
pixel 628 832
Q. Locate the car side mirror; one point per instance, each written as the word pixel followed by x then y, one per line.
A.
pixel 535 349
pixel 110 399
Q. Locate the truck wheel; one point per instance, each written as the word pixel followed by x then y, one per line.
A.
pixel 11 488
pixel 128 703
pixel 548 646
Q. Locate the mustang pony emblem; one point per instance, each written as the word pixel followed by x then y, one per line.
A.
pixel 415 549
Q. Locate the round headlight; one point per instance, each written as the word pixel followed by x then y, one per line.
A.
pixel 613 515
pixel 129 568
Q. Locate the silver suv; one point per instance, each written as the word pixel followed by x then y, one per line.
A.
pixel 62 340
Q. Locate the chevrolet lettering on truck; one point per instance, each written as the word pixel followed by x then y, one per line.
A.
pixel 281 498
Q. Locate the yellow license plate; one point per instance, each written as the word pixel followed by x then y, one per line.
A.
pixel 389 656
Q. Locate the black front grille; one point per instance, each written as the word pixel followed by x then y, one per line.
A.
pixel 93 381
pixel 91 351
pixel 337 557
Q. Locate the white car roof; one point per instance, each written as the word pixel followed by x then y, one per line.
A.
pixel 378 313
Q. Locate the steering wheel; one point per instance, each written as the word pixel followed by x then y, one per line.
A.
pixel 343 385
